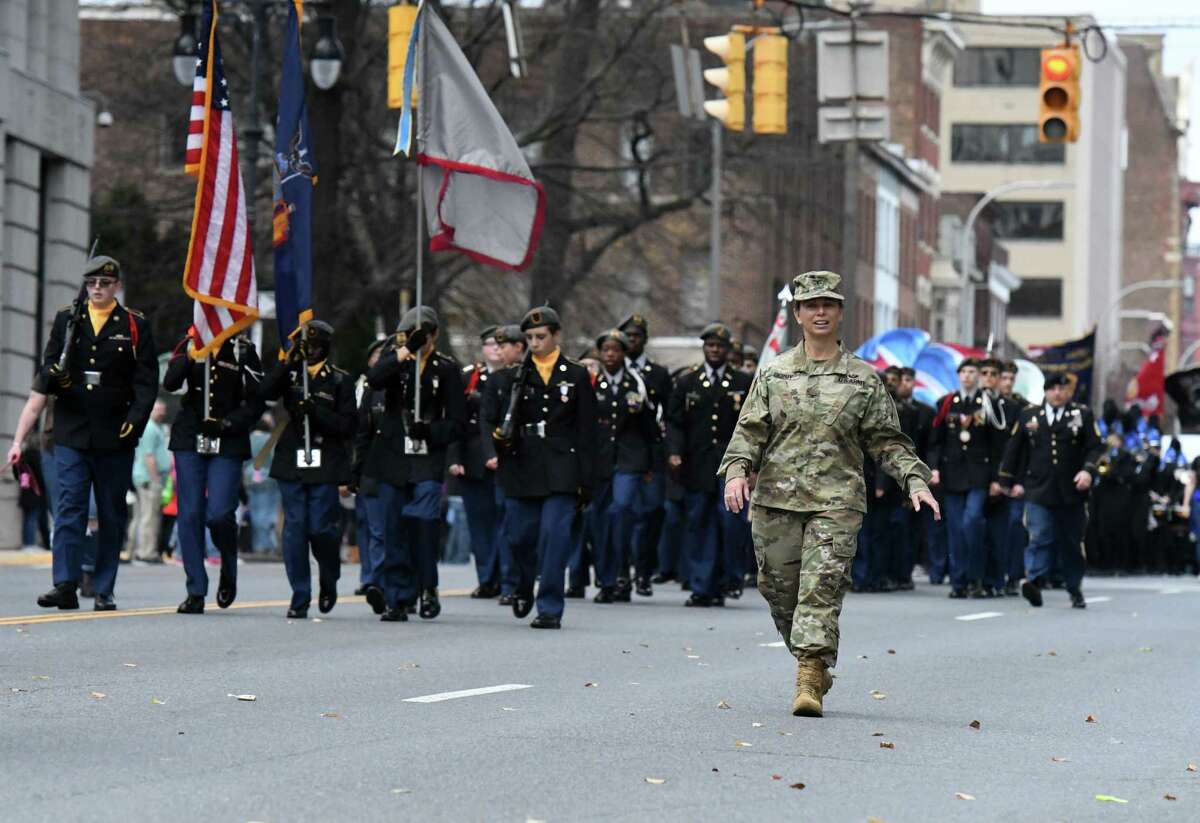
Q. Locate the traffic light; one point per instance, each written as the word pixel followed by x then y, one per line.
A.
pixel 770 84
pixel 400 26
pixel 731 80
pixel 1058 120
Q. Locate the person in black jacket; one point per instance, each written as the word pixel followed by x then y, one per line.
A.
pixel 511 341
pixel 473 467
pixel 1051 461
pixel 701 417
pixel 547 458
pixel 105 392
pixel 368 512
pixel 309 474
pixel 1000 413
pixel 407 459
pixel 623 457
pixel 210 446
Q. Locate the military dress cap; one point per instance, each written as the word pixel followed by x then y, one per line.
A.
pixel 423 315
pixel 613 334
pixel 102 266
pixel 635 321
pixel 510 334
pixel 717 330
pixel 1059 379
pixel 541 316
pixel 488 331
pixel 1009 367
pixel 749 351
pixel 375 346
pixel 990 363
pixel 814 284
pixel 968 363
pixel 317 330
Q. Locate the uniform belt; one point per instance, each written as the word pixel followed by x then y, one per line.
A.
pixel 534 429
pixel 100 378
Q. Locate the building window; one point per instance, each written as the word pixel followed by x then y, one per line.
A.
pixel 998 67
pixel 1027 221
pixel 1002 143
pixel 1037 297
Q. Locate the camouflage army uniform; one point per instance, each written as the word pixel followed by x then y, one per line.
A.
pixel 804 429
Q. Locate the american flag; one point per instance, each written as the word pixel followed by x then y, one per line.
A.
pixel 219 273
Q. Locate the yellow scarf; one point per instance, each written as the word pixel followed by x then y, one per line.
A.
pixel 315 367
pixel 99 315
pixel 545 365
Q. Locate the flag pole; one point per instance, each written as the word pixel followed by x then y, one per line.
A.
pixel 421 102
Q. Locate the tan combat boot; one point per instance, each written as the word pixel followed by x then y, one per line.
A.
pixel 812 681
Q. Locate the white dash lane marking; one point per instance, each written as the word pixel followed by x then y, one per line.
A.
pixel 966 618
pixel 438 698
pixel 1101 599
pixel 1171 591
pixel 778 644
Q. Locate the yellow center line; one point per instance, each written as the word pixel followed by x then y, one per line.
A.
pixel 149 611
pixel 25 558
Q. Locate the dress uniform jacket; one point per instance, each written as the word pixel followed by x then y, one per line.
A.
pixel 700 421
pixel 476 447
pixel 443 407
pixel 626 437
pixel 122 387
pixel 916 420
pixel 234 379
pixel 554 451
pixel 371 408
pixel 658 392
pixel 331 422
pixel 1045 458
pixel 963 465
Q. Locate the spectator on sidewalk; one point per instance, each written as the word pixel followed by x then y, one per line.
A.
pixel 32 498
pixel 262 491
pixel 151 465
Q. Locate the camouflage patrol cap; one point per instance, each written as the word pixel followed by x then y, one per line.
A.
pixel 423 315
pixel 635 321
pixel 102 266
pixel 613 334
pixel 541 316
pixel 814 284
pixel 510 334
pixel 719 331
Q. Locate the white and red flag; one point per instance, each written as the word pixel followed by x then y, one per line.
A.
pixel 219 272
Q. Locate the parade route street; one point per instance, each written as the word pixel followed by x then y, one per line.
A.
pixel 646 711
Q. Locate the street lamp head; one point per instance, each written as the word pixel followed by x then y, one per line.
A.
pixel 325 62
pixel 183 55
pixel 104 119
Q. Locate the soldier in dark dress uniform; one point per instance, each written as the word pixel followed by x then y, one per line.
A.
pixel 104 394
pixel 627 433
pixel 308 482
pixel 701 417
pixel 1000 412
pixel 648 526
pixel 473 467
pixel 209 452
pixel 1051 460
pixel 547 459
pixel 407 458
pixel 960 456
pixel 511 341
pixel 368 512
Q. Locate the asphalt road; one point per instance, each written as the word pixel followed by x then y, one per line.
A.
pixel 645 711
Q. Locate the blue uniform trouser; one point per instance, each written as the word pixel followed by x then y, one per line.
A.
pixel 615 514
pixel 540 532
pixel 483 521
pixel 1055 529
pixel 735 537
pixel 1018 538
pixel 412 526
pixel 709 526
pixel 208 497
pixel 311 516
pixel 869 566
pixel 508 567
pixel 902 526
pixel 998 519
pixel 109 473
pixel 648 523
pixel 936 536
pixel 966 523
pixel 670 558
pixel 372 538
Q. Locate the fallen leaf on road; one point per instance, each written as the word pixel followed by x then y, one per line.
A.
pixel 1145 649
pixel 1091 718
pixel 16 690
pixel 41 677
pixel 963 796
pixel 1191 767
pixel 401 791
pixel 154 701
pixel 715 769
pixel 693 657
pixel 756 725
pixel 886 744
pixel 333 715
pixel 786 734
pixel 1108 798
pixel 1169 796
pixel 876 734
pixel 507 709
pixel 316 620
pixel 1052 654
pixel 98 695
pixel 644 645
pixel 742 744
pixel 130 665
pixel 974 724
pixel 797 786
pixel 874 820
pixel 1058 760
pixel 777 777
pixel 862 657
pixel 249 698
pixel 723 705
pixel 688 649
pixel 533 820
pixel 656 781
pixel 891 651
pixel 410 665
pixel 878 695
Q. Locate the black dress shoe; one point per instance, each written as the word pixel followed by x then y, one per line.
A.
pixel 1077 601
pixel 522 605
pixel 623 593
pixel 698 601
pixel 958 594
pixel 1010 589
pixel 85 585
pixel 685 586
pixel 226 591
pixel 431 607
pixel 105 603
pixel 61 596
pixel 643 587
pixel 327 600
pixel 605 595
pixel 396 615
pixel 545 621
pixel 505 600
pixel 905 586
pixel 662 577
pixel 360 591
pixel 975 592
pixel 733 593
pixel 576 592
pixel 298 612
pixel 484 592
pixel 411 608
pixel 1032 592
pixel 193 604
pixel 718 601
pixel 375 599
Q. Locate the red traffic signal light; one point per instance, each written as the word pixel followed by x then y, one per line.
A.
pixel 1058 119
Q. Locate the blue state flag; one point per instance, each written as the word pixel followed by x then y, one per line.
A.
pixel 295 176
